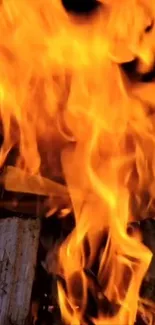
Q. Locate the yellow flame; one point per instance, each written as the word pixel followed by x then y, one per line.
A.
pixel 63 96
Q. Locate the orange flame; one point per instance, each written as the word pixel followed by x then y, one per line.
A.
pixel 66 103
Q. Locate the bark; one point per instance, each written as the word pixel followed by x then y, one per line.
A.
pixel 18 252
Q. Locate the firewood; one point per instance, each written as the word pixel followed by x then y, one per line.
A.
pixel 18 251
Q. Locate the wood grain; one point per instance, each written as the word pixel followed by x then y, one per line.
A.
pixel 18 252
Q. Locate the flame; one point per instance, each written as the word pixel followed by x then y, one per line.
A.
pixel 69 108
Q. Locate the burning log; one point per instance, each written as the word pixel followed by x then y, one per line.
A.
pixel 58 197
pixel 18 252
pixel 68 83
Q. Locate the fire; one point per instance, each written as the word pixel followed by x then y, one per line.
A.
pixel 71 110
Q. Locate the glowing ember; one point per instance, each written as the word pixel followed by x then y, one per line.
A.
pixel 65 95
